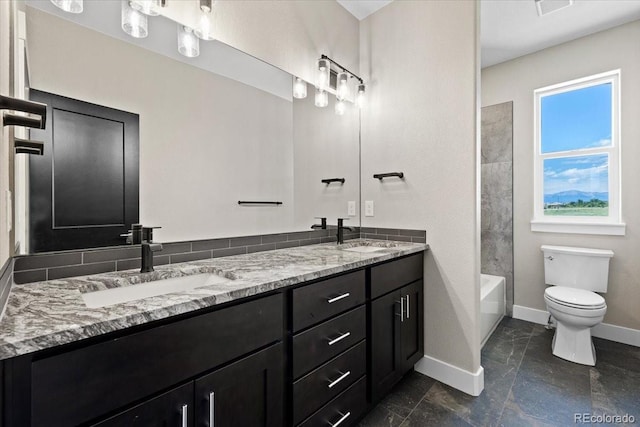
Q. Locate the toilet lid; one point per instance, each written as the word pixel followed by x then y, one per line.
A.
pixel 571 297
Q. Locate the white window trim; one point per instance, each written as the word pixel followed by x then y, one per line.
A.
pixel 610 225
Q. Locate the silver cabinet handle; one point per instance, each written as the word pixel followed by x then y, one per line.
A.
pixel 401 302
pixel 340 338
pixel 344 417
pixel 184 412
pixel 408 311
pixel 343 376
pixel 338 298
pixel 212 409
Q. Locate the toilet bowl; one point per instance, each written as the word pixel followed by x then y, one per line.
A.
pixel 576 311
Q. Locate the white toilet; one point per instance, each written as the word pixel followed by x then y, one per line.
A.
pixel 576 274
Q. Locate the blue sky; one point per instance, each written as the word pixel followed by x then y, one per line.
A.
pixel 574 120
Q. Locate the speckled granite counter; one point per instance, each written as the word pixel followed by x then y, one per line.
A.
pixel 46 314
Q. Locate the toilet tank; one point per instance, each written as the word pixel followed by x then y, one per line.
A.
pixel 581 268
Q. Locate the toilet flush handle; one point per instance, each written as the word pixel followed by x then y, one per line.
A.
pixel 550 258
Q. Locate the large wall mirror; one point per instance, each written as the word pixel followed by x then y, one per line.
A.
pixel 213 130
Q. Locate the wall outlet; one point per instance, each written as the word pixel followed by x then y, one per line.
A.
pixel 368 208
pixel 351 208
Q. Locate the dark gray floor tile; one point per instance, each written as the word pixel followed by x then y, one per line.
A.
pixel 406 395
pixel 614 390
pixel 558 372
pixel 546 402
pixel 512 417
pixel 381 417
pixel 429 414
pixel 505 348
pixel 617 354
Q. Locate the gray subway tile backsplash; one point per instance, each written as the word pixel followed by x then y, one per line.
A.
pixel 33 268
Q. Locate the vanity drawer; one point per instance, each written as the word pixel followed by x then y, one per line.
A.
pixel 319 344
pixel 314 303
pixel 348 407
pixel 395 274
pixel 318 387
pixel 73 387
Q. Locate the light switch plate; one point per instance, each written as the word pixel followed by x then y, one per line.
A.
pixel 368 208
pixel 351 208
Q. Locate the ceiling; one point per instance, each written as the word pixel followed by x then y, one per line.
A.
pixel 512 28
pixel 363 8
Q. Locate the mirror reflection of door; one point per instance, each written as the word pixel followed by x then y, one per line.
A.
pixel 83 192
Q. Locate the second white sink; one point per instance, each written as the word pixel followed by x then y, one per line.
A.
pixel 155 288
pixel 364 249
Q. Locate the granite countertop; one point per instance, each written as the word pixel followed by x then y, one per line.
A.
pixel 47 314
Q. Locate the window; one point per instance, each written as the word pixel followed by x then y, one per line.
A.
pixel 577 156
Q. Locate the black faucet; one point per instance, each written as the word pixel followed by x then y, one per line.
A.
pixel 147 245
pixel 322 225
pixel 341 229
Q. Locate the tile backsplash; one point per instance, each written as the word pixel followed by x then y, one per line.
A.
pixel 35 268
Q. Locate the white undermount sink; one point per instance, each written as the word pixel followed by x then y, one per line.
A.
pixel 107 297
pixel 364 249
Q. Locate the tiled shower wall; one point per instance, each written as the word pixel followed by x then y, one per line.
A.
pixel 497 194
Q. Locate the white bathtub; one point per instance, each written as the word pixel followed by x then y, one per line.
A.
pixel 492 304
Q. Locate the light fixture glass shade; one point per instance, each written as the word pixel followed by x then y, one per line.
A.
pixel 71 6
pixel 342 87
pixel 360 98
pixel 340 107
pixel 133 22
pixel 148 7
pixel 323 73
pixel 322 98
pixel 205 29
pixel 188 43
pixel 299 88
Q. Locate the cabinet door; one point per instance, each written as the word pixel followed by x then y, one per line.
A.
pixel 386 360
pixel 171 409
pixel 412 335
pixel 249 392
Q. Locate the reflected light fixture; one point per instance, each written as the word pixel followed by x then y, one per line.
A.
pixel 204 30
pixel 360 97
pixel 322 98
pixel 323 73
pixel 71 6
pixel 299 88
pixel 148 7
pixel 188 43
pixel 340 107
pixel 133 21
pixel 342 89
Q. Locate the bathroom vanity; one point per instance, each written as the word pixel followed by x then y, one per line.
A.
pixel 307 336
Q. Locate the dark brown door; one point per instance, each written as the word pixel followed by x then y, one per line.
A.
pixel 386 360
pixel 83 192
pixel 412 325
pixel 249 392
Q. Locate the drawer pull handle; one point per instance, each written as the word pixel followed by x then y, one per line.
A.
pixel 344 417
pixel 340 338
pixel 184 412
pixel 338 298
pixel 212 409
pixel 340 378
pixel 408 312
pixel 401 302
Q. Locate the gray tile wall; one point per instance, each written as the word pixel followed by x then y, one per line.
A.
pixel 497 194
pixel 35 268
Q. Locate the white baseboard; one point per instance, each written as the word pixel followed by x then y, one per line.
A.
pixel 604 330
pixel 465 381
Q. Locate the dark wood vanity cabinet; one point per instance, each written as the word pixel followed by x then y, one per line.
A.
pixel 397 319
pixel 319 354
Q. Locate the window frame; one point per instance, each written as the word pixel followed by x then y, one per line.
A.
pixel 611 224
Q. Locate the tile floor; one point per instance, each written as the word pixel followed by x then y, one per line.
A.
pixel 525 385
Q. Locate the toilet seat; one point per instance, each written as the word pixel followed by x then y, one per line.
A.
pixel 575 298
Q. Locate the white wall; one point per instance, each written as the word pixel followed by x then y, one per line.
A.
pixel 515 81
pixel 420 60
pixel 7 20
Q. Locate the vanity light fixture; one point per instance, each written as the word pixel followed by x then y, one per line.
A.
pixel 545 7
pixel 204 30
pixel 322 98
pixel 299 88
pixel 133 21
pixel 71 6
pixel 188 43
pixel 323 79
pixel 148 7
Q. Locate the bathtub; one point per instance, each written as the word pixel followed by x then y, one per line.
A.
pixel 492 304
